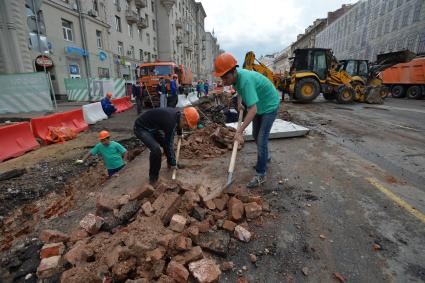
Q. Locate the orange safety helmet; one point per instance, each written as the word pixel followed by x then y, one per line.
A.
pixel 192 116
pixel 109 94
pixel 224 63
pixel 103 135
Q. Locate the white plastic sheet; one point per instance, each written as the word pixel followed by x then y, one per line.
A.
pixel 93 113
pixel 183 101
pixel 192 97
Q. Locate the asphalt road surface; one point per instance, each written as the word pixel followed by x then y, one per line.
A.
pixel 350 203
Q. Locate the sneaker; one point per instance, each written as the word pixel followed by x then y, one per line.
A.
pixel 256 181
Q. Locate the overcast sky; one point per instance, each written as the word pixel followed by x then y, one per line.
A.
pixel 263 26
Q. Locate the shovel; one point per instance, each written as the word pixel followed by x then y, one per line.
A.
pixel 179 143
pixel 234 152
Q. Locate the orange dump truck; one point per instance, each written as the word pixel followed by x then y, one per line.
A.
pixel 151 73
pixel 406 79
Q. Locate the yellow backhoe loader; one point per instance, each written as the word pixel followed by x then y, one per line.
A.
pixel 250 64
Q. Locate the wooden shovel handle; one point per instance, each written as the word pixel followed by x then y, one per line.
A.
pixel 235 145
pixel 177 158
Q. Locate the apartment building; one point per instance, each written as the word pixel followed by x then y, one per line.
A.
pixel 373 27
pixel 100 38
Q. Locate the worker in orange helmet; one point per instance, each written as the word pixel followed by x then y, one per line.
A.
pixel 156 129
pixel 112 152
pixel 107 105
pixel 262 100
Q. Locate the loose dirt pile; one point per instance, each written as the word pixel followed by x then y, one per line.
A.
pixel 211 141
pixel 162 234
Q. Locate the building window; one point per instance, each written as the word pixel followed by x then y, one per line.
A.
pixel 153 6
pixel 130 30
pixel 417 11
pixel 99 39
pixel 95 6
pixel 120 48
pixel 148 38
pixel 141 54
pixel 132 51
pixel 103 72
pixel 396 19
pixel 406 13
pixel 140 34
pixel 118 24
pixel 153 24
pixel 67 30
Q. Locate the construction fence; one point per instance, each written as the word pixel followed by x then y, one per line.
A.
pixel 93 89
pixel 26 92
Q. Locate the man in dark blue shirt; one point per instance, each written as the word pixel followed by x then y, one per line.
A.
pixel 107 105
pixel 173 98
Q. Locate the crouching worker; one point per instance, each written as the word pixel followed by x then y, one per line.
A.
pixel 107 105
pixel 156 129
pixel 113 153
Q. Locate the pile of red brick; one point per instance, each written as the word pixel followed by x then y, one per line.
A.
pixel 162 234
pixel 211 141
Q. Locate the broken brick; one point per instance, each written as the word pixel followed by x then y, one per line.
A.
pixel 242 234
pixel 205 270
pixel 78 254
pixel 165 279
pixel 236 209
pixel 253 210
pixel 191 197
pixel 147 208
pixel 118 254
pixel 220 203
pixel 107 203
pixel 203 226
pixel 227 265
pixel 53 236
pixel 177 271
pixel 210 205
pixel 166 206
pixel 165 240
pixel 54 249
pixel 124 199
pixel 157 268
pixel 229 225
pixel 193 232
pixel 49 267
pixel 202 191
pixel 155 254
pixel 122 268
pixel 182 243
pixel 256 199
pixel 78 235
pixel 91 223
pixel 193 254
pixel 178 223
pixel 215 241
pixel 141 192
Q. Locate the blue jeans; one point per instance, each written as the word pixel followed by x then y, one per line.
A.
pixel 111 172
pixel 261 126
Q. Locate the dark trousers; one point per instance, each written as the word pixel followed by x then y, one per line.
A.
pixel 172 100
pixel 261 126
pixel 154 141
pixel 139 104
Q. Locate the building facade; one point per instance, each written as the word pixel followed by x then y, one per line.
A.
pixel 101 38
pixel 373 27
pixel 281 62
pixel 307 39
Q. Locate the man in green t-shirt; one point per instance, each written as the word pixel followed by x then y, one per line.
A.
pixel 262 100
pixel 113 153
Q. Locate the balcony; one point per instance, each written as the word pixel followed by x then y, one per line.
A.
pixel 179 39
pixel 141 3
pixel 142 23
pixel 131 16
pixel 179 24
pixel 168 4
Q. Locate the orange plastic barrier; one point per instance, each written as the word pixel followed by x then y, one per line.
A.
pixel 74 119
pixel 122 104
pixel 15 140
pixel 40 125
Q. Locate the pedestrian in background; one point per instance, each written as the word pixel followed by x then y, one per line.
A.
pixel 112 152
pixel 206 87
pixel 198 89
pixel 107 105
pixel 138 96
pixel 173 97
pixel 161 89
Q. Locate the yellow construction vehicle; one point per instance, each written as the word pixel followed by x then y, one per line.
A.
pixel 250 64
pixel 316 70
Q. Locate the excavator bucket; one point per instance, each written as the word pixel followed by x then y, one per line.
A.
pixel 387 60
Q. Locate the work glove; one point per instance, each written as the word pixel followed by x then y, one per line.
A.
pixel 78 162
